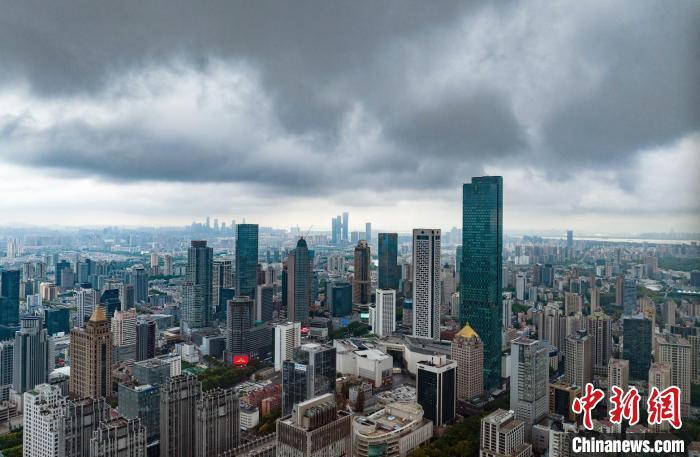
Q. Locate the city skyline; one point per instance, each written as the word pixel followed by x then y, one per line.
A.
pixel 277 123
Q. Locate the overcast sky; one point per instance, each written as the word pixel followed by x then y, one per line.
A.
pixel 289 112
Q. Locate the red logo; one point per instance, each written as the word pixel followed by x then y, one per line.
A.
pixel 665 406
pixel 587 404
pixel 624 405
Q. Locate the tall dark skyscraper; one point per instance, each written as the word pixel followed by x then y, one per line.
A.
pixel 9 297
pixel 389 273
pixel 362 279
pixel 33 356
pixel 637 336
pixel 481 301
pixel 246 260
pixel 299 283
pixel 569 238
pixel 60 266
pixel 197 312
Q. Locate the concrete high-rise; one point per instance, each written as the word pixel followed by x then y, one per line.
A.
pixel 675 350
pixel 528 381
pixel 246 260
pixel 468 351
pixel 299 283
pixel 362 279
pixel 217 425
pixel 33 357
pixel 481 300
pixel 287 338
pixel 197 300
pixel 43 434
pixel 436 388
pixel 91 358
pixel 426 283
pixel 178 404
pixel 310 373
pixel 385 323
pixel 598 324
pixel 315 428
pixel 619 373
pixel 7 352
pixel 660 377
pixel 388 272
pixel 502 435
pixel 119 437
pixel 124 335
pixel 579 359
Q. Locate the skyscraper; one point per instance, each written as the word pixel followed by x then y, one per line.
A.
pixel 299 283
pixel 287 338
pixel 87 300
pixel 139 279
pixel 246 260
pixel 217 426
pixel 389 274
pixel 368 232
pixel 43 434
pixel 91 358
pixel 599 329
pixel 240 318
pixel 33 358
pixel 362 280
pixel 675 350
pixel 124 335
pixel 385 323
pixel 569 238
pixel 528 381
pixel 9 297
pixel 426 283
pixel 145 340
pixel 346 222
pixel 196 309
pixel 636 345
pixel 222 278
pixel 178 403
pixel 481 301
pixel 310 373
pixel 436 388
pixel 468 351
pixel 579 359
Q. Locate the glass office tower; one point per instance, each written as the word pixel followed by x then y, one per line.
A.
pixel 482 269
pixel 246 260
pixel 388 273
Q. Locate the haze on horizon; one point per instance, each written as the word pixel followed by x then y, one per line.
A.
pixel 288 113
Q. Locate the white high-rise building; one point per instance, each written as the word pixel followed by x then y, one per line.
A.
pixel 675 350
pixel 86 300
pixel 124 328
pixel 426 283
pixel 520 286
pixel 503 435
pixel 385 323
pixel 44 434
pixel 287 338
pixel 528 381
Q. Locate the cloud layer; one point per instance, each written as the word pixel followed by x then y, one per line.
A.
pixel 360 104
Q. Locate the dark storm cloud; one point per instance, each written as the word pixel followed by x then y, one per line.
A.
pixel 321 63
